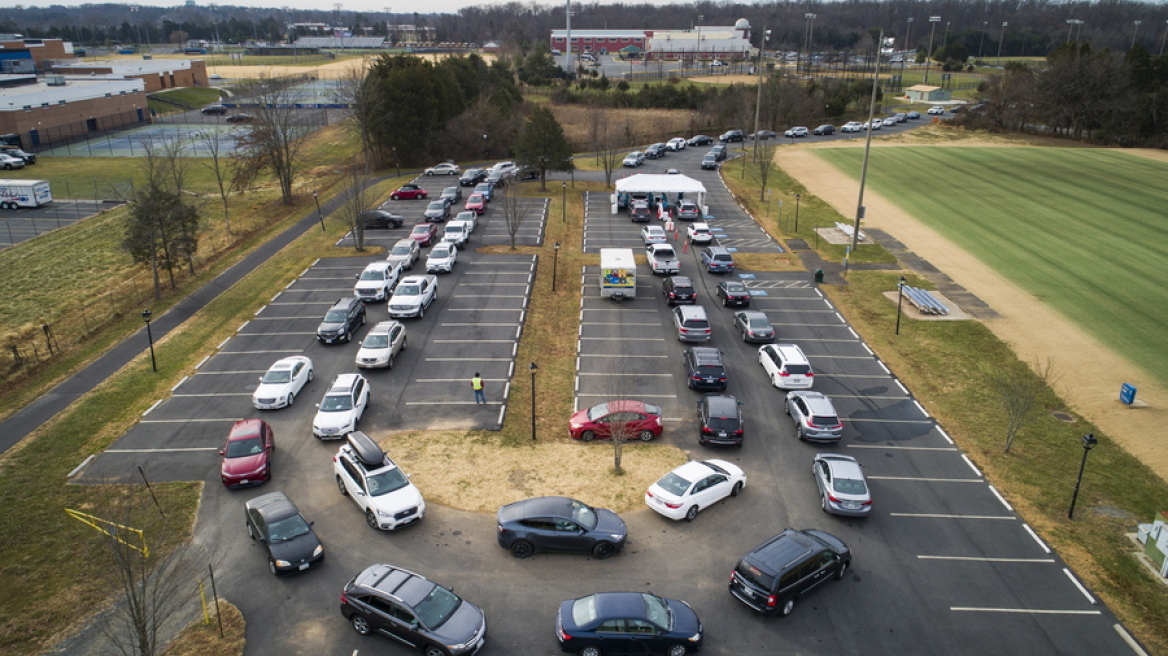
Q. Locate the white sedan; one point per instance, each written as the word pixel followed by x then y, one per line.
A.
pixel 442 258
pixel 676 144
pixel 445 168
pixel 282 382
pixel 937 109
pixel 700 233
pixel 653 234
pixel 694 486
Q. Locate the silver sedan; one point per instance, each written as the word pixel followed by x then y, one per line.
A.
pixel 842 487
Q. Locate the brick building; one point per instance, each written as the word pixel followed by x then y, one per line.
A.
pixel 156 74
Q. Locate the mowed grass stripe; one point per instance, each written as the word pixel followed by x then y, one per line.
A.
pixel 1082 229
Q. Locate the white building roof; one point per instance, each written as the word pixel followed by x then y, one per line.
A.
pixel 133 67
pixel 595 34
pixel 76 88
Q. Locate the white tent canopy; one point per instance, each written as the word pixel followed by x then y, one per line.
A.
pixel 675 186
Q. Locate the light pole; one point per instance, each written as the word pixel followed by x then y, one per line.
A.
pixel 701 19
pixel 907 40
pixel 564 204
pixel 766 36
pixel 1135 31
pixel 1089 443
pixel 533 368
pixel 319 214
pixel 396 164
pixel 933 20
pixel 1164 38
pixel 981 41
pixel 807 41
pixel 567 40
pixel 797 196
pixel 1071 23
pixel 1001 40
pixel 146 314
pixel 899 300
pixel 880 43
pixel 486 151
pixel 555 263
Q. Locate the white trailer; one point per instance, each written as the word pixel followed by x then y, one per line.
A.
pixel 15 194
pixel 618 272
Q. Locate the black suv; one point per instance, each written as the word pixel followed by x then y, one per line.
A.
pixel 412 609
pixel 703 365
pixel 472 177
pixel 721 419
pixel 341 320
pixel 380 219
pixel 731 136
pixel 776 573
pixel 719 152
pixel 679 290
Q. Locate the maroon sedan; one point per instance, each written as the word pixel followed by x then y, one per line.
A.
pixel 631 420
pixel 408 192
pixel 424 233
pixel 477 203
pixel 247 456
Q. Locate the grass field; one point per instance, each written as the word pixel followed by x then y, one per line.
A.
pixel 1081 229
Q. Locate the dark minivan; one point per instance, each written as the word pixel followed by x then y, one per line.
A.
pixel 776 573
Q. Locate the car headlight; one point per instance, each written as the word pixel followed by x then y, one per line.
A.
pixel 695 637
pixel 385 514
pixel 318 551
pixel 283 563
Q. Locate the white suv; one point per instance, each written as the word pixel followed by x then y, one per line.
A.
pixel 377 280
pixel 381 345
pixel 852 126
pixel 786 366
pixel 376 484
pixel 341 408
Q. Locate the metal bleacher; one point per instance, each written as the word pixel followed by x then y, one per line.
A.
pixel 923 300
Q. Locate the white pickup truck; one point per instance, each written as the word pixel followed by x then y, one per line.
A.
pixel 662 259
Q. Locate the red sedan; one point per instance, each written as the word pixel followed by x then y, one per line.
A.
pixel 424 233
pixel 477 203
pixel 631 420
pixel 408 192
pixel 247 456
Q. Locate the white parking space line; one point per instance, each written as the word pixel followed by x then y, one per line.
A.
pixel 1090 599
pixel 212 394
pixel 276 334
pixel 1036 538
pixel 926 479
pixel 243 326
pixel 627 339
pixel 452 403
pixel 336 290
pixel 484 309
pixel 499 272
pixel 313 318
pixel 811 325
pixel 971 465
pixel 202 362
pixel 828 340
pixel 840 357
pixel 868 397
pixel 151 408
pixel 260 352
pixel 944 516
pixel 617 355
pixel 905 448
pixel 329 303
pixel 598 373
pixel 472 341
pixel 221 373
pixel 944 435
pixel 639 396
pixel 455 380
pixel 176 385
pixel 1126 637
pixel 978 559
pixel 873 420
pixel 189 421
pixel 174 450
pixel 1001 498
pixel 1032 611
pixel 492 284
pixel 472 325
pixel 468 359
pixel 921 408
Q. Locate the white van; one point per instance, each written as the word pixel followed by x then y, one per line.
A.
pixel 618 272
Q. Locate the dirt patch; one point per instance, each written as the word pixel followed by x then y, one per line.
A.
pixel 329 71
pixel 1035 331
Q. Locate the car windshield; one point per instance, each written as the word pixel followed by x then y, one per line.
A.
pixel 759 322
pixel 657 611
pixel 387 481
pixel 597 411
pixel 421 230
pixel 276 377
pixel 723 423
pixel 286 529
pixel 375 274
pixel 437 607
pixel 336 403
pixel 438 205
pixel 584 610
pixel 453 230
pixel 440 251
pixel 584 515
pixel 401 250
pixel 377 341
pixel 406 290
pixel 335 316
pixel 849 486
pixel 674 484
pixel 245 447
pixel 735 287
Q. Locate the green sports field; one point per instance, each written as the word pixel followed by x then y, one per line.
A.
pixel 1085 230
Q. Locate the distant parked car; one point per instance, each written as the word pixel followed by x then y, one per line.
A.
pixel 445 168
pixel 635 158
pixel 852 126
pixel 824 129
pixel 763 135
pixel 381 220
pixel 341 407
pixel 472 177
pixel 731 136
pixel 214 109
pixel 451 194
pixel 912 116
pixel 688 209
pixel 424 233
pixel 676 144
pixel 10 162
pixel 710 162
pixel 240 118
pixel 796 132
pixel 937 109
pixel 815 417
pixel 405 252
pixel 437 211
pixel 282 382
pixel 487 189
pixel 733 292
pixel 477 203
pixel 559 524
pixel 408 192
pixel 700 140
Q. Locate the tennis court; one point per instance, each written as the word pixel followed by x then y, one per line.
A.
pixel 195 140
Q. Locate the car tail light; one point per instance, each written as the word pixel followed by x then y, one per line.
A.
pixel 649 493
pixel 809 374
pixel 344 599
pixel 695 377
pixel 722 379
pixel 832 498
pixel 334 458
pixel 784 374
pixel 564 635
pixel 866 503
pixel 738 432
pixel 772 600
pixel 672 506
pixel 707 431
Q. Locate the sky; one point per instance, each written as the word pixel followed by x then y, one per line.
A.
pixel 368 6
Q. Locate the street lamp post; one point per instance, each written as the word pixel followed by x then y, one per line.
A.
pixel 797 197
pixel 807 41
pixel 1089 443
pixel 564 204
pixel 701 19
pixel 899 300
pixel 880 43
pixel 396 163
pixel 1071 23
pixel 555 263
pixel 319 214
pixel 933 20
pixel 146 314
pixel 486 151
pixel 1135 31
pixel 533 368
pixel 766 37
pixel 1001 40
pixel 981 41
pixel 1164 38
pixel 907 40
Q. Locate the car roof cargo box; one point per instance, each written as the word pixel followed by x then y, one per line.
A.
pixel 366 449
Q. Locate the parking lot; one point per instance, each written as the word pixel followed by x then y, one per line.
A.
pixel 943 565
pixel 27 222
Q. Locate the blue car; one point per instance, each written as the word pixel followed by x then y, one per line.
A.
pixel 628 623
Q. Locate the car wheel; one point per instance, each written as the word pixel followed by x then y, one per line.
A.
pixel 291 398
pixel 736 489
pixel 250 532
pixel 522 549
pixel 588 436
pixel 787 409
pixel 405 342
pixel 272 566
pixel 725 302
pixel 645 435
pixel 360 624
pixel 799 433
pixel 389 365
pixel 823 504
pixel 435 650
pixel 787 607
pixel 677 650
pixel 394 197
pixel 341 487
pixel 310 375
pixel 842 570
pixel 744 336
pixel 691 514
pixel 371 519
pixel 421 311
pixel 603 550
pixel 590 650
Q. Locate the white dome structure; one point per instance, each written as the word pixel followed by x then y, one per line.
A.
pixel 742 24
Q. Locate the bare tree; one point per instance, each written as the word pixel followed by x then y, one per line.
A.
pixel 278 133
pixel 606 140
pixel 1020 391
pixel 367 111
pixel 354 199
pixel 514 211
pixel 218 163
pixel 146 561
pixel 764 163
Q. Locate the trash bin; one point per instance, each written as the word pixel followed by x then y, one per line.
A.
pixel 819 275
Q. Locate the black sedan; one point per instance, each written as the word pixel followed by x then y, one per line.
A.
pixel 615 623
pixel 381 220
pixel 275 523
pixel 733 292
pixel 700 140
pixel 559 524
pixel 824 130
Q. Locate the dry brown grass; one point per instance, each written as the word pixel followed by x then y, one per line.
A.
pixel 202 639
pixel 639 126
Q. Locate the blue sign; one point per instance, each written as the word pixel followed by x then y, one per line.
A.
pixel 1127 394
pixel 732 250
pixel 746 276
pixel 758 292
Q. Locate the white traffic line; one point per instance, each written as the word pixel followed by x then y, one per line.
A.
pixel 189 421
pixel 640 396
pixel 971 465
pixel 1131 642
pixel 1090 599
pixel 456 380
pixel 597 373
pixel 979 559
pixel 944 435
pixel 452 403
pixel 867 397
pixel 261 352
pixel 618 355
pixel 1031 611
pixel 819 373
pixel 174 450
pixel 176 385
pixel 626 339
pixel 472 341
pixel 473 325
pixel 1002 499
pixel 926 479
pixel 220 373
pixel 468 359
pixel 1036 538
pixel 275 334
pixel 243 326
pixel 888 421
pixel 905 448
pixel 945 516
pixel 202 362
pixel 177 396
pixel 841 357
pixel 489 296
pixel 151 408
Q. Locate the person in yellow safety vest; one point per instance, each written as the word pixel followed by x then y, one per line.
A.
pixel 477 384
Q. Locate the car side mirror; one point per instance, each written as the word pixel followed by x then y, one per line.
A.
pixel 318 406
pixel 260 378
pixel 311 524
pixel 263 539
pixel 357 276
pixel 360 342
pixel 221 453
pixel 741 403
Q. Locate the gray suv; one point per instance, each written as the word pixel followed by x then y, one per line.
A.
pixel 717 259
pixel 815 417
